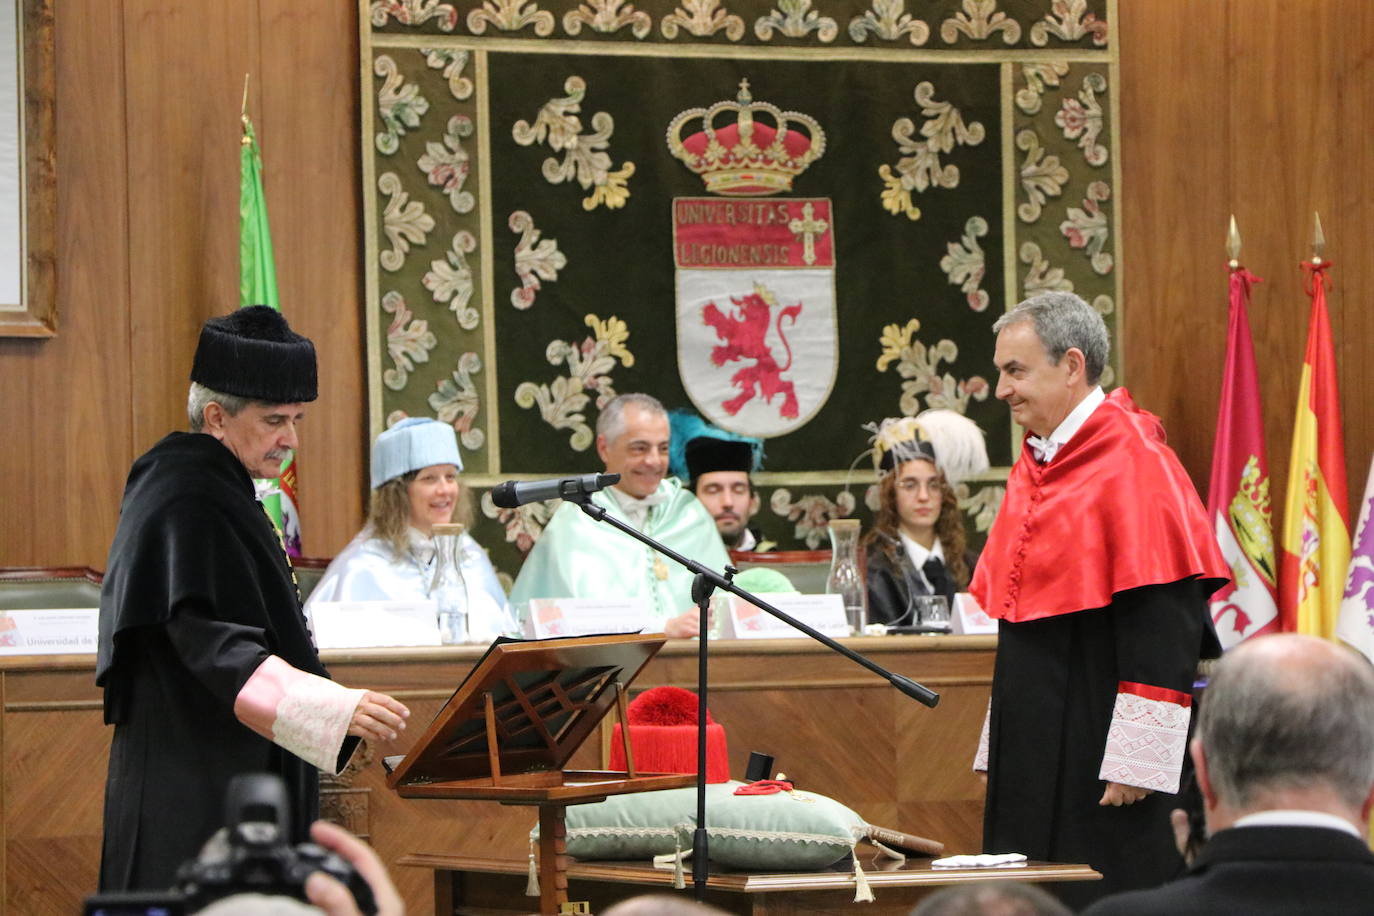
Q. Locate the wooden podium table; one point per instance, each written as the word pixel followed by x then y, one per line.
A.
pixel 832 726
pixel 466 886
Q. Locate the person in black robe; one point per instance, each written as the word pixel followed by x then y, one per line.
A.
pixel 917 545
pixel 717 465
pixel 207 667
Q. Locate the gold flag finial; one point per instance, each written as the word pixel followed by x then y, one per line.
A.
pixel 1233 242
pixel 1318 239
pixel 246 140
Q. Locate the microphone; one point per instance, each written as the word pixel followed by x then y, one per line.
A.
pixel 514 493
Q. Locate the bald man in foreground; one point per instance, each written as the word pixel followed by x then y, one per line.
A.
pixel 1285 762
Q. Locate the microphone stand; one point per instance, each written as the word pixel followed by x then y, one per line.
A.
pixel 705 583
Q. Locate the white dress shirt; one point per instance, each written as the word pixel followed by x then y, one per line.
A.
pixel 919 555
pixel 634 509
pixel 1045 449
pixel 1297 818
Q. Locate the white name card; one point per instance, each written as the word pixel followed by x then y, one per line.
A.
pixel 49 631
pixel 820 612
pixel 970 619
pixel 549 617
pixel 374 624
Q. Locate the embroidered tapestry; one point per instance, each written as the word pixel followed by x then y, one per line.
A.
pixel 793 216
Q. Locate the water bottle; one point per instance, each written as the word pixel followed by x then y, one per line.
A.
pixel 844 579
pixel 447 588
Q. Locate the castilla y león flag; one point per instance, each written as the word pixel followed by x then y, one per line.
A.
pixel 1238 498
pixel 1316 524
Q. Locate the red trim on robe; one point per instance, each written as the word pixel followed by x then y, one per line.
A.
pixel 1113 511
pixel 1151 692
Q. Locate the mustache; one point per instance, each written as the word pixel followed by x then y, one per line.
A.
pixel 277 455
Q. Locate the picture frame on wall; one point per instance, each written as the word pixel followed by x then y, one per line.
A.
pixel 28 180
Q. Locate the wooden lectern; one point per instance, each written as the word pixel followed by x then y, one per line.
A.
pixel 517 718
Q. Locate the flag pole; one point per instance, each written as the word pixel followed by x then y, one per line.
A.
pixel 1316 526
pixel 1238 500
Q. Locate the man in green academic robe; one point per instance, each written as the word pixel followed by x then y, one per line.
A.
pixel 578 557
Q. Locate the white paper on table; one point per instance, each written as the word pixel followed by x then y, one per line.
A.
pixel 49 631
pixel 984 860
pixel 550 617
pixel 374 624
pixel 820 612
pixel 970 619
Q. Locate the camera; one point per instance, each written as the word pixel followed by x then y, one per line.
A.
pixel 251 854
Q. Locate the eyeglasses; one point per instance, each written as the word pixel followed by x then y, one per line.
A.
pixel 911 484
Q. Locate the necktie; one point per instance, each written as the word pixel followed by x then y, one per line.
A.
pixel 938 577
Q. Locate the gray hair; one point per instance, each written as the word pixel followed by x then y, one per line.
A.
pixel 1064 321
pixel 1284 711
pixel 611 422
pixel 200 397
pixel 982 898
pixel 660 905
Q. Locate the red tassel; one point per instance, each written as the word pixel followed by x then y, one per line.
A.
pixel 673 749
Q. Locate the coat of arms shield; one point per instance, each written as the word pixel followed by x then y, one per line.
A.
pixel 755 286
pixel 756 329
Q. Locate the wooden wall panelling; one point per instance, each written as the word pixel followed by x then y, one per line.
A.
pixel 1285 169
pixel 54 751
pixel 185 63
pixel 64 402
pixel 1174 209
pixel 306 102
pixel 1354 234
pixel 1239 107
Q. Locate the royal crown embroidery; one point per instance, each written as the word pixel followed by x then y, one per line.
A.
pixel 746 157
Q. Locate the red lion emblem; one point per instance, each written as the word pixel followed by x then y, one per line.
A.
pixel 743 335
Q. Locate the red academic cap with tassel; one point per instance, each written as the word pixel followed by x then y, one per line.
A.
pixel 663 735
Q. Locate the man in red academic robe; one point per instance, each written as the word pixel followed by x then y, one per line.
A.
pixel 1098 567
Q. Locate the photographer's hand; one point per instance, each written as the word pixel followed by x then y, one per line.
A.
pixel 378 718
pixel 333 897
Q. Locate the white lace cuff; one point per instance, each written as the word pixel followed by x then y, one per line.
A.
pixel 304 713
pixel 980 758
pixel 1147 738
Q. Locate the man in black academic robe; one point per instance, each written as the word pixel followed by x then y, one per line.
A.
pixel 206 663
pixel 718 465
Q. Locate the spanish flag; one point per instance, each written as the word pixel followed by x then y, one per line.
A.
pixel 1316 524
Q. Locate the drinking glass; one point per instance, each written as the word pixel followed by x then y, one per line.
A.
pixel 933 611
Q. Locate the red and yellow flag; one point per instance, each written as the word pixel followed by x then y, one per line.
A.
pixel 1238 498
pixel 1316 524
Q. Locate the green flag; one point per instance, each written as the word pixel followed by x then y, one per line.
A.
pixel 257 270
pixel 258 286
